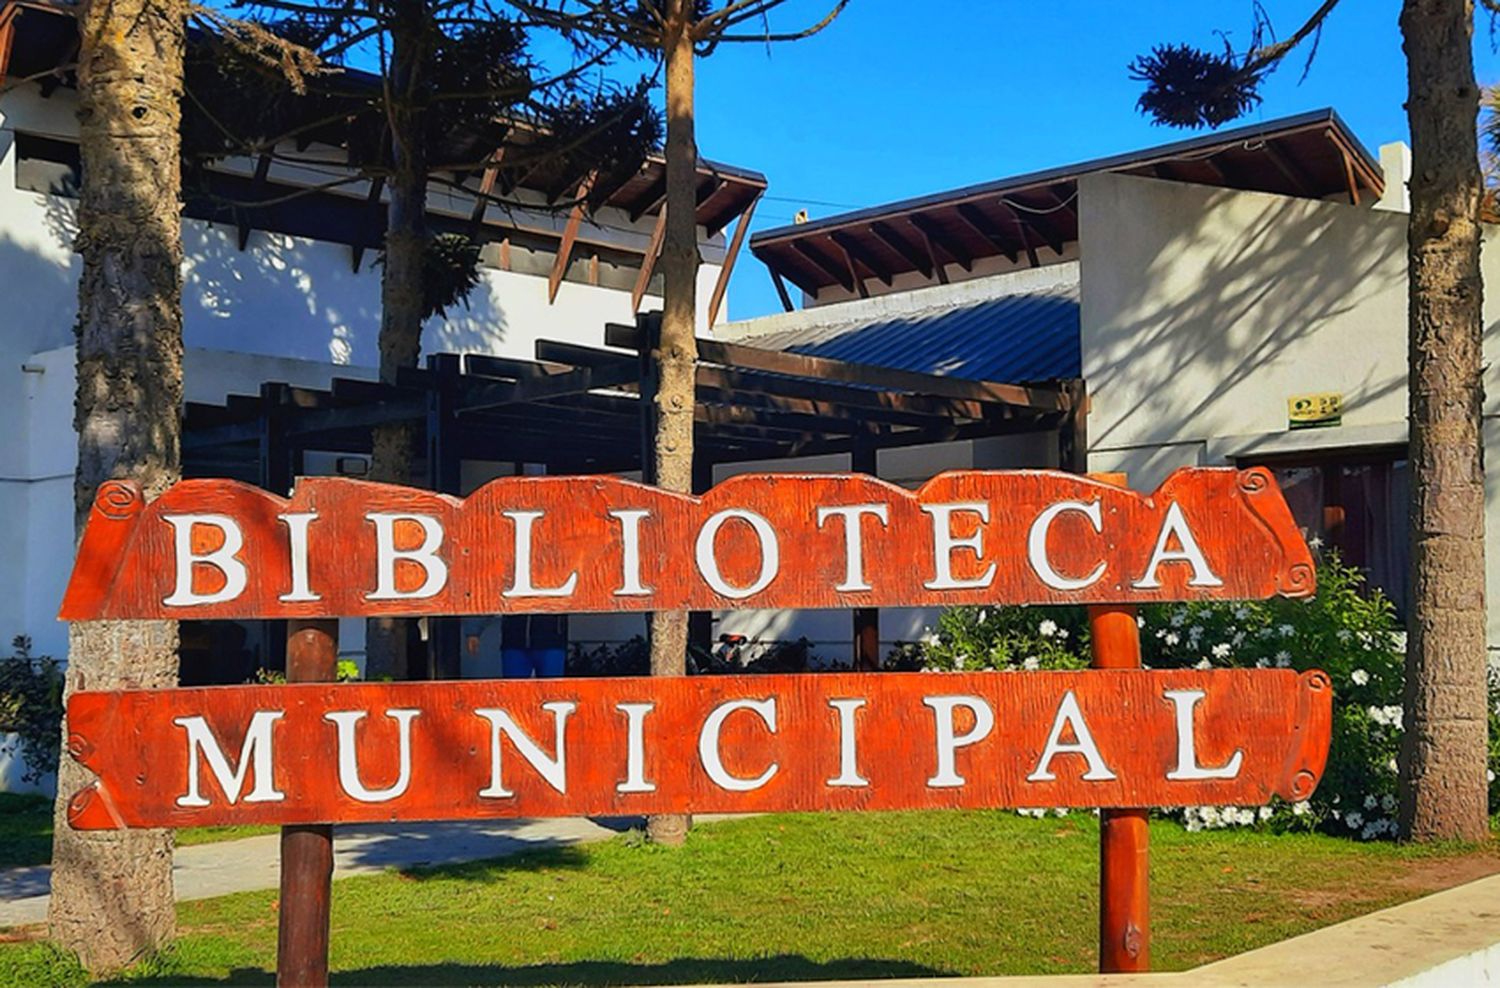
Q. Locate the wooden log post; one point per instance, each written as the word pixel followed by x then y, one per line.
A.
pixel 307 850
pixel 1124 849
pixel 863 458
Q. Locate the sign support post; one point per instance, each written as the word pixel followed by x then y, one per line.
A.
pixel 1124 849
pixel 306 850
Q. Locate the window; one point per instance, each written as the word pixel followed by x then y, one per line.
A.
pixel 1355 502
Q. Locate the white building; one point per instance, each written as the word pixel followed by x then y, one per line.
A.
pixel 1198 288
pixel 285 294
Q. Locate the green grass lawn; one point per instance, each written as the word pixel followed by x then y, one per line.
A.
pixel 799 897
pixel 26 831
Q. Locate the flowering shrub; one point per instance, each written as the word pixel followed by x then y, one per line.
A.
pixel 1347 630
pixel 31 709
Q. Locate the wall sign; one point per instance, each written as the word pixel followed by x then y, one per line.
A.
pixel 1315 411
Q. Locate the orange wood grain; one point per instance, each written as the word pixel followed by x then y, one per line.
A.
pixel 127 565
pixel 1278 719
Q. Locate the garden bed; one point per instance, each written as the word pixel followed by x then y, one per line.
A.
pixel 822 896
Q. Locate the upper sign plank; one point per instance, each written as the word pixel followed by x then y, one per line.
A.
pixel 339 547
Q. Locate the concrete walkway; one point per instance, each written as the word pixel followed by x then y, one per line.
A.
pixel 206 870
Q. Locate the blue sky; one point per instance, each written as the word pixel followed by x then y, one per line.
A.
pixel 893 101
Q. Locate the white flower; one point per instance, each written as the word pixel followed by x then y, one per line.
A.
pixel 1221 651
pixel 930 638
pixel 1359 677
pixel 1316 542
pixel 1140 621
pixel 1490 775
pixel 1371 802
pixel 1179 618
pixel 1060 811
pixel 1062 633
pixel 1300 808
pixel 1391 766
pixel 1205 664
pixel 984 616
pixel 1245 816
pixel 1031 662
pixel 1172 638
pixel 958 661
pixel 1285 630
pixel 1210 815
pixel 1354 820
pixel 1261 663
pixel 1283 659
pixel 1238 639
pixel 1265 812
pixel 1345 634
pixel 1388 802
pixel 1240 613
pixel 1047 628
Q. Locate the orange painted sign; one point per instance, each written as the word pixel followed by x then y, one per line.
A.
pixel 545 748
pixel 339 547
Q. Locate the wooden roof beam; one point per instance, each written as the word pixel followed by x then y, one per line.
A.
pixel 840 273
pixel 654 198
pixel 257 186
pixel 1041 220
pixel 857 252
pixel 936 238
pixel 975 219
pixel 893 239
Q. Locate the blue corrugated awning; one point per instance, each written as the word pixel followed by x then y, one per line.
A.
pixel 1018 338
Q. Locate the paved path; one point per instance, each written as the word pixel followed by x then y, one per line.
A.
pixel 206 870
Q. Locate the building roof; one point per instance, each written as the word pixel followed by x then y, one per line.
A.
pixel 39 41
pixel 1028 333
pixel 1313 155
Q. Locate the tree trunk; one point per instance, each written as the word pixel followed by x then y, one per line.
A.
pixel 112 895
pixel 678 355
pixel 1443 789
pixel 401 288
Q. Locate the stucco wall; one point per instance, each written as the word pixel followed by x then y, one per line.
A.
pixel 1204 310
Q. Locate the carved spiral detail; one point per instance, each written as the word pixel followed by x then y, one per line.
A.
pixel 80 802
pixel 1299 580
pixel 1303 784
pixel 79 746
pixel 1255 480
pixel 1318 680
pixel 117 499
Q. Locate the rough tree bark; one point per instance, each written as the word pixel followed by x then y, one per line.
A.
pixel 678 356
pixel 401 286
pixel 112 895
pixel 1443 790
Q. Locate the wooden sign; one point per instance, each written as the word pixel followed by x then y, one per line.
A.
pixel 340 547
pixel 549 748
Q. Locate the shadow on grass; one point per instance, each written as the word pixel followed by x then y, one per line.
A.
pixel 783 967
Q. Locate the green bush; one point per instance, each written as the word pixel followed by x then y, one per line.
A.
pixel 1347 629
pixel 31 709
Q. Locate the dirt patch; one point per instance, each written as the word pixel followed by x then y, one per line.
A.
pixel 1435 874
pixel 23 934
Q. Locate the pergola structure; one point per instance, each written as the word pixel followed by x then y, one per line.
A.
pixel 579 409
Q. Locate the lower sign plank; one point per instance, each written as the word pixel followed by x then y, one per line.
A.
pixel 572 747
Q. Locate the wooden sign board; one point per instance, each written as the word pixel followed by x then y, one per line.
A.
pixel 573 747
pixel 340 547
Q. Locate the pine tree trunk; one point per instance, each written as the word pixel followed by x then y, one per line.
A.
pixel 401 289
pixel 677 359
pixel 1443 789
pixel 112 895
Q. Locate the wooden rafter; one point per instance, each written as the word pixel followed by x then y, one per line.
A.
pixel 835 269
pixel 486 187
pixel 1349 180
pixel 648 262
pixel 781 292
pixel 569 237
pixel 893 238
pixel 721 284
pixel 857 252
pixel 980 222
